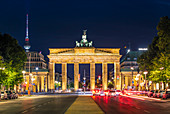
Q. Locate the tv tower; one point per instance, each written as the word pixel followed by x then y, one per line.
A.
pixel 27 45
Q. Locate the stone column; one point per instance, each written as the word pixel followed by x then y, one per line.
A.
pixel 92 76
pixel 46 84
pixel 76 76
pixel 51 75
pixel 64 76
pixel 104 76
pixel 27 80
pixel 117 75
pixel 42 83
pixel 38 84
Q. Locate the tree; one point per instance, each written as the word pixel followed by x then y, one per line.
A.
pixel 3 76
pixel 156 59
pixel 71 85
pixel 14 57
pixel 110 85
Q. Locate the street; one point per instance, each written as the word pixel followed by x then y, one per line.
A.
pixel 69 103
pixel 38 105
pixel 123 104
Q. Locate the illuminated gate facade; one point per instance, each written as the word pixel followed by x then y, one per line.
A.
pixel 84 53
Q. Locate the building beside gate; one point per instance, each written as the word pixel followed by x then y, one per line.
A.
pixel 131 76
pixel 35 69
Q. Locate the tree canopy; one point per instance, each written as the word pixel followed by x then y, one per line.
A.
pixel 157 59
pixel 14 57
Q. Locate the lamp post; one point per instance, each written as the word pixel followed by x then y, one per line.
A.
pixel 30 81
pixel 36 68
pixel 84 78
pixel 23 72
pixel 132 76
pixel 145 78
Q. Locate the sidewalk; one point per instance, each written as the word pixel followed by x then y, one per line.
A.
pixel 84 105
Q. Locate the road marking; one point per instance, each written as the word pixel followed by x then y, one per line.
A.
pixel 146 111
pixel 39 105
pixel 33 108
pixel 137 108
pixel 25 111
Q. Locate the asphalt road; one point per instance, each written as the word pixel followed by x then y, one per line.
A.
pixel 38 105
pixel 125 105
pixel 59 104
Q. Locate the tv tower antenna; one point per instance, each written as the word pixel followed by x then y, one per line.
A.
pixel 27 46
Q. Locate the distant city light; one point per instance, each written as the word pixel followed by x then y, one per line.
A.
pixel 144 49
pixel 128 50
pixel 36 68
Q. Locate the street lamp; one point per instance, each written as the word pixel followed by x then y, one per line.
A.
pixel 145 78
pixel 132 75
pixel 84 83
pixel 36 68
pixel 30 75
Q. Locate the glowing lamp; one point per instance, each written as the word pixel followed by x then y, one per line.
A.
pixel 145 72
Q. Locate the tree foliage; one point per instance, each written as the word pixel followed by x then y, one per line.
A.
pixel 14 57
pixel 3 76
pixel 157 59
pixel 110 85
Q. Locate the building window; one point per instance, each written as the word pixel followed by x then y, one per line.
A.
pixel 128 58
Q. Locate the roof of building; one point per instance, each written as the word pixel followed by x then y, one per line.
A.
pixel 131 55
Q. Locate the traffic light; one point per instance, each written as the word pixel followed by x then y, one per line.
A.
pixel 99 77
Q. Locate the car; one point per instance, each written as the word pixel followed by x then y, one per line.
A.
pixel 112 93
pixel 166 94
pixel 10 95
pixel 118 92
pixel 98 92
pixel 160 93
pixel 15 95
pixel 150 93
pixel 155 93
pixel 106 92
pixel 3 95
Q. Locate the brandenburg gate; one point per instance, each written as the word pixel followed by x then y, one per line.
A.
pixel 84 53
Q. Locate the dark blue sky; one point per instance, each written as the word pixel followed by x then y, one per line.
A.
pixel 59 23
